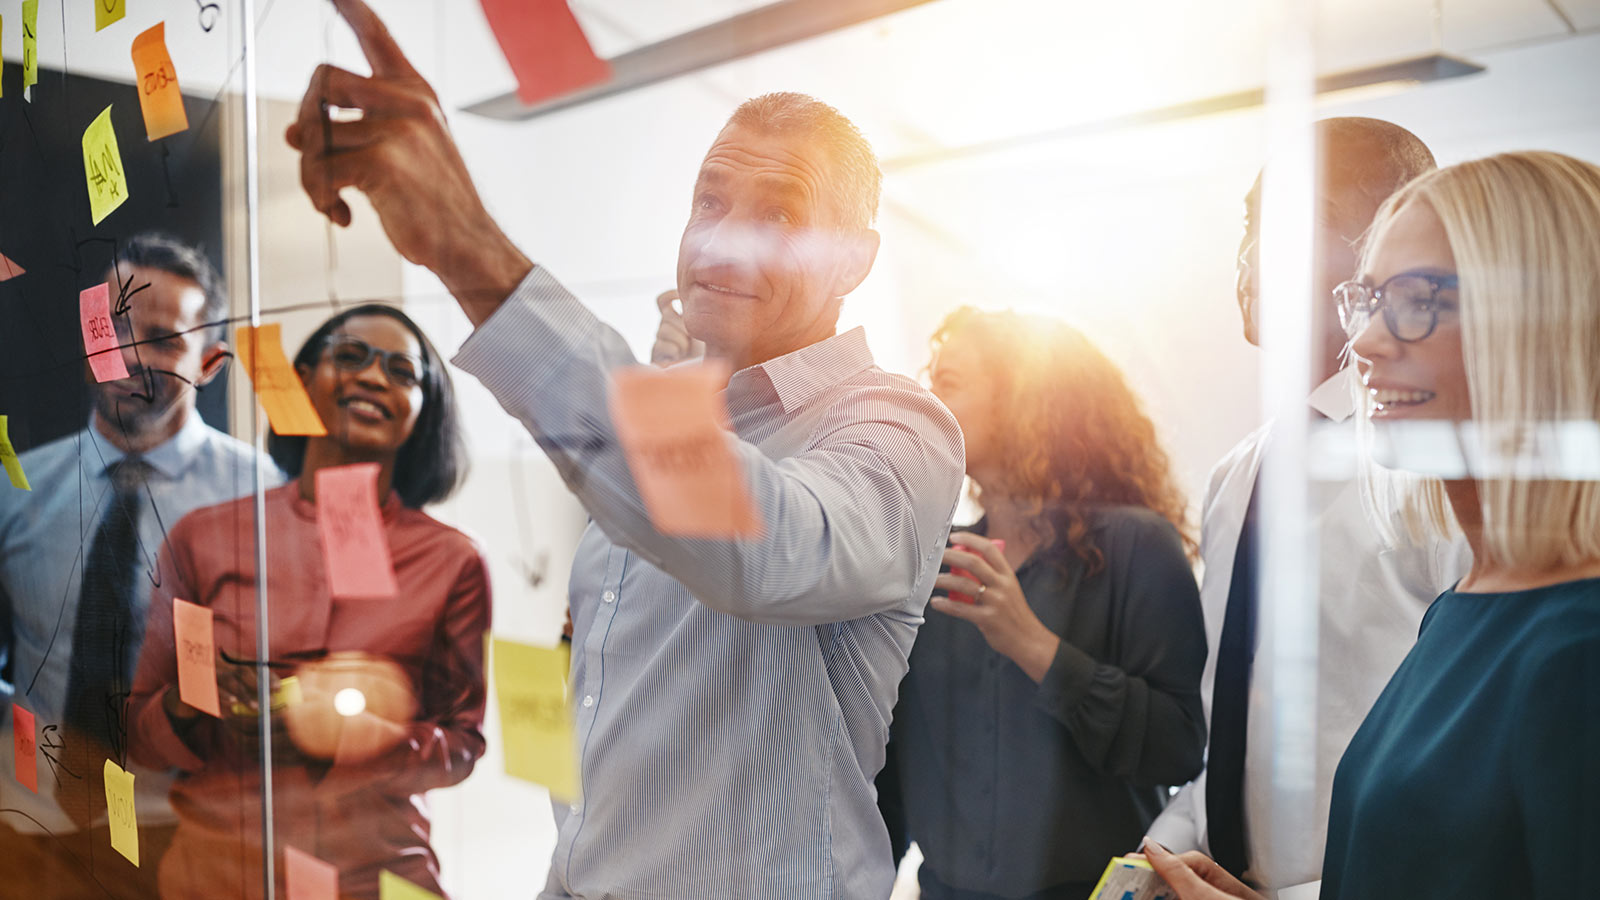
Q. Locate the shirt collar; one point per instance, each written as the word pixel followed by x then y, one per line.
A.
pixel 800 376
pixel 170 457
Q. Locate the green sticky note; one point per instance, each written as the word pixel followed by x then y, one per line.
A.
pixel 30 43
pixel 8 456
pixel 393 887
pixel 535 721
pixel 108 11
pixel 102 166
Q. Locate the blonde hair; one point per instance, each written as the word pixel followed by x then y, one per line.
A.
pixel 1525 232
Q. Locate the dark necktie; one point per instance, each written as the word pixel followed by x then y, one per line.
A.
pixel 1230 702
pixel 102 645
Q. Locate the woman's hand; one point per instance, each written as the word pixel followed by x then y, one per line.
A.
pixel 998 609
pixel 1195 876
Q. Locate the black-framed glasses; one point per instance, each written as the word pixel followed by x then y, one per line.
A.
pixel 352 354
pixel 1411 303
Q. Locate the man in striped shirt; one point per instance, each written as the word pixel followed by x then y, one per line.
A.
pixel 733 696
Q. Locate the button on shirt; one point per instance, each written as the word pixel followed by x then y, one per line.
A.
pixel 44 535
pixel 742 689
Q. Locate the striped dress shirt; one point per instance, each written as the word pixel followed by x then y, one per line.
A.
pixel 733 697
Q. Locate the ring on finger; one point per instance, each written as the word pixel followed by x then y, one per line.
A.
pixel 981 589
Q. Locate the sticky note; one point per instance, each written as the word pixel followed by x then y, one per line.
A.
pixel 282 395
pixel 119 806
pixel 670 425
pixel 999 544
pixel 9 269
pixel 393 887
pixel 30 43
pixel 99 335
pixel 25 741
pixel 159 96
pixel 307 877
pixel 545 46
pixel 197 657
pixel 108 11
pixel 353 543
pixel 530 686
pixel 8 455
pixel 102 166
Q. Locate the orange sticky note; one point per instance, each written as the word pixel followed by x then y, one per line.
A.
pixel 8 269
pixel 535 723
pixel 159 96
pixel 8 456
pixel 102 166
pixel 545 46
pixel 108 11
pixel 99 335
pixel 197 659
pixel 119 806
pixel 307 877
pixel 26 744
pixel 353 543
pixel 671 426
pixel 393 887
pixel 282 395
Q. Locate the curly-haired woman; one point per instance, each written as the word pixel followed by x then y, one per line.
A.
pixel 1040 721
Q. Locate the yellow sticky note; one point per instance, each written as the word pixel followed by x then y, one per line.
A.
pixel 535 721
pixel 102 166
pixel 119 806
pixel 282 395
pixel 108 11
pixel 393 887
pixel 159 97
pixel 8 455
pixel 30 43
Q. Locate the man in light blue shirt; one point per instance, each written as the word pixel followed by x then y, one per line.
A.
pixel 147 459
pixel 733 696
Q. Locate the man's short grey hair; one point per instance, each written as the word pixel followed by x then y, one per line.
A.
pixel 166 253
pixel 857 180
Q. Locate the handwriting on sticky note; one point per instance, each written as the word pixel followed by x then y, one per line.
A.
pixel 354 547
pixel 119 807
pixel 100 335
pixel 309 878
pixel 535 720
pixel 670 425
pixel 282 395
pixel 8 456
pixel 9 269
pixel 393 887
pixel 102 166
pixel 108 11
pixel 30 43
pixel 159 96
pixel 545 46
pixel 192 631
pixel 25 744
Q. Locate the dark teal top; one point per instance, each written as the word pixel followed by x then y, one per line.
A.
pixel 1477 773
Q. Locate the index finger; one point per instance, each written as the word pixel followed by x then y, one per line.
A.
pixel 664 302
pixel 380 48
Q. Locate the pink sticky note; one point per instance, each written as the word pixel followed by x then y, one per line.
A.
pixel 194 638
pixel 545 46
pixel 26 744
pixel 309 878
pixel 670 423
pixel 353 543
pixel 99 337
pixel 957 596
pixel 9 269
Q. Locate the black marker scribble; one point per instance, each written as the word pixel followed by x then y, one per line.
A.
pixel 51 735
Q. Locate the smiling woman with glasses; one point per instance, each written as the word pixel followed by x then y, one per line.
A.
pixel 390 697
pixel 1411 302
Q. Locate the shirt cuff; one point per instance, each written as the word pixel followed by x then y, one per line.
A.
pixel 1067 680
pixel 522 345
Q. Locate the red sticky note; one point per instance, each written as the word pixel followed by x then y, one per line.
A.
pixel 353 543
pixel 957 596
pixel 193 635
pixel 159 97
pixel 8 269
pixel 99 337
pixel 545 46
pixel 672 427
pixel 307 877
pixel 26 744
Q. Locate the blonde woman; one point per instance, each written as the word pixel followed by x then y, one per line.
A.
pixel 1477 772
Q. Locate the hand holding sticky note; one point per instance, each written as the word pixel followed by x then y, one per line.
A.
pixel 282 395
pixel 354 546
pixel 545 46
pixel 159 97
pixel 1129 878
pixel 670 423
pixel 25 746
pixel 535 722
pixel 197 656
pixel 119 808
pixel 959 597
pixel 8 456
pixel 102 165
pixel 100 335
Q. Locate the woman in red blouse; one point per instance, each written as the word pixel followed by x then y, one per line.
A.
pixel 391 689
